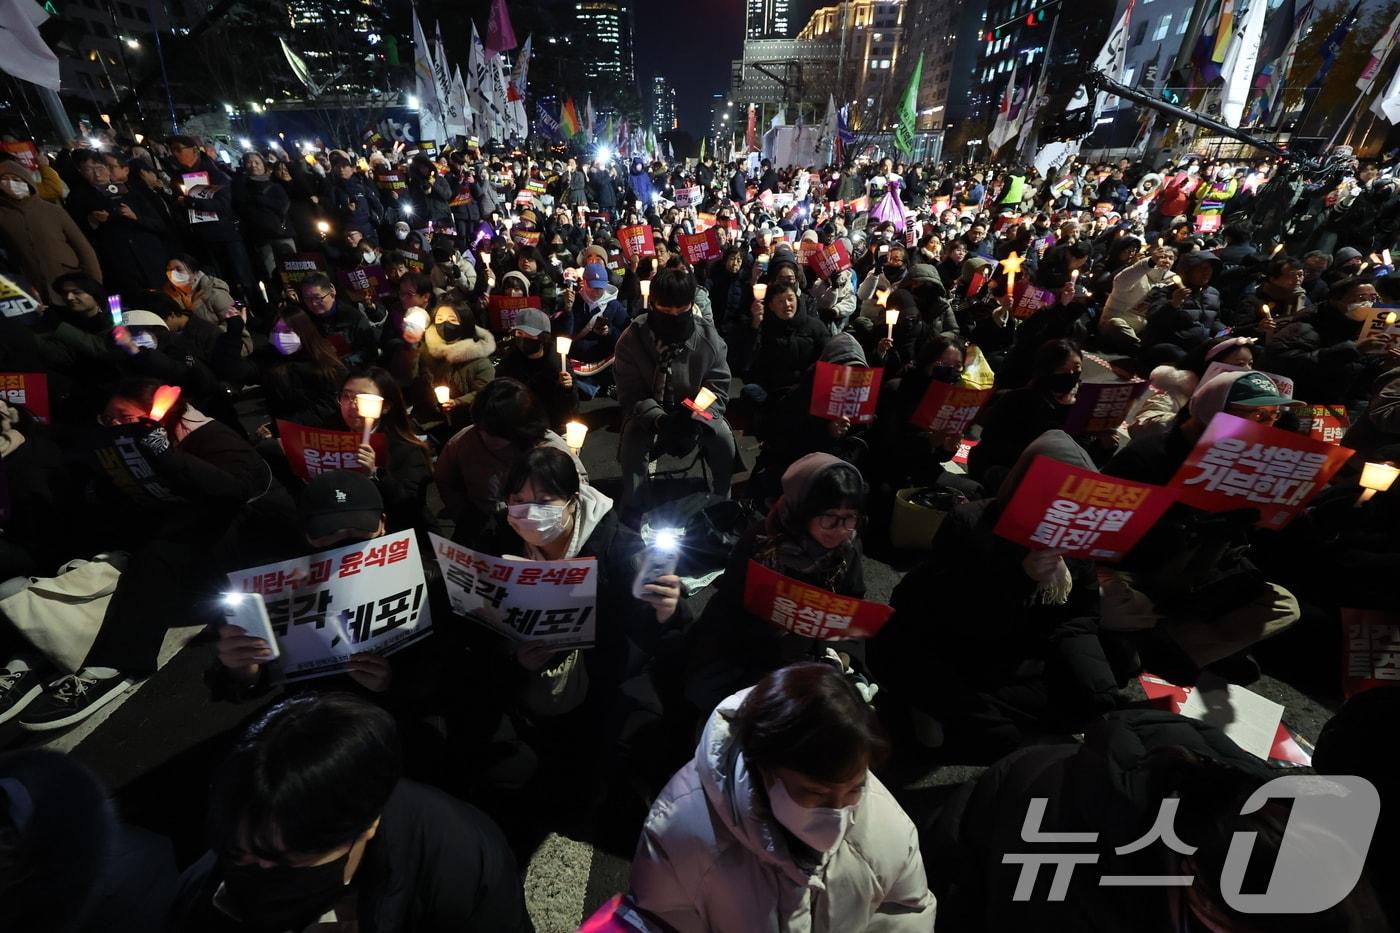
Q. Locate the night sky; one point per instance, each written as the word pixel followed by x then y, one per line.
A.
pixel 691 43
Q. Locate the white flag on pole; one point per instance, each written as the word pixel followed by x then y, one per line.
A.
pixel 23 52
pixel 1379 51
pixel 461 99
pixel 1240 58
pixel 515 93
pixel 453 120
pixel 425 86
pixel 1003 127
pixel 1387 105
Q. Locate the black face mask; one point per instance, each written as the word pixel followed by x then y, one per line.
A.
pixel 1060 383
pixel 529 345
pixel 284 898
pixel 451 332
pixel 949 374
pixel 671 328
pixel 894 273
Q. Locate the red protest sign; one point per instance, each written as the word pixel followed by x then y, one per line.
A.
pixel 949 408
pixel 1241 464
pixel 1061 506
pixel 845 392
pixel 1102 406
pixel 1370 649
pixel 704 221
pixel 1326 423
pixel 829 260
pixel 313 451
pixel 27 390
pixel 525 237
pixel 1028 300
pixel 699 247
pixel 807 610
pixel 26 152
pixel 636 240
pixel 1208 223
pixel 502 311
pixel 963 452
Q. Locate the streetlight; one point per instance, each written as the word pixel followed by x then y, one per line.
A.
pixel 412 102
pixel 133 43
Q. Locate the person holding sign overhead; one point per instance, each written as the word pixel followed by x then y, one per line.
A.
pixel 777 823
pixel 809 535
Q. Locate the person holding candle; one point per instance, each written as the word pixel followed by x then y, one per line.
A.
pixel 458 355
pixel 1185 311
pixel 342 323
pixel 773 348
pixel 663 359
pixel 1277 295
pixel 595 321
pixel 404 479
pixel 1321 352
pixel 532 357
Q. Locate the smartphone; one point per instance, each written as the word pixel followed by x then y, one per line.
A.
pixel 248 611
pixel 659 561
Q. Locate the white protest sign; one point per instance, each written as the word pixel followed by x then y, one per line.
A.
pixel 1383 323
pixel 541 602
pixel 368 596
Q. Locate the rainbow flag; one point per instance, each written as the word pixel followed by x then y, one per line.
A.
pixel 568 119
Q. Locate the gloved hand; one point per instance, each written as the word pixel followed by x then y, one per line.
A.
pixel 155 442
pixel 680 423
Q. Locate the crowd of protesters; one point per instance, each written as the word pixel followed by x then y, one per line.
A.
pixel 275 287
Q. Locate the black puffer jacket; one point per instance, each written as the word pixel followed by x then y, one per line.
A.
pixel 779 352
pixel 1318 352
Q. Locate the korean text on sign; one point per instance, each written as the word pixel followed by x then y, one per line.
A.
pixel 698 247
pixel 1370 650
pixel 130 470
pixel 807 610
pixel 949 408
pixel 1062 506
pixel 1240 464
pixel 829 260
pixel 1102 406
pixel 313 451
pixel 366 597
pixel 29 390
pixel 543 602
pixel 636 241
pixel 1383 322
pixel 845 392
pixel 504 310
pixel 1028 300
pixel 1326 423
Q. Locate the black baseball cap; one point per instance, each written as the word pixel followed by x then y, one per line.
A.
pixel 340 500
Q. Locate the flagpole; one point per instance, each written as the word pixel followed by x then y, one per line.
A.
pixel 1360 97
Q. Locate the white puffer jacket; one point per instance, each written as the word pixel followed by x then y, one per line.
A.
pixel 712 858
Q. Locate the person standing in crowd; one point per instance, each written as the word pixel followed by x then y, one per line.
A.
pixel 39 237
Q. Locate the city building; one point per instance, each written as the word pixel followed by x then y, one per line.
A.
pixel 1155 33
pixel 663 105
pixel 785 74
pixel 947 32
pixel 867 35
pixel 766 19
pixel 606 29
pixel 101 46
pixel 342 37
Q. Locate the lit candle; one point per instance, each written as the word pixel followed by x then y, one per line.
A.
pixel 562 344
pixel 1160 241
pixel 415 323
pixel 882 295
pixel 165 398
pixel 262 290
pixel 574 433
pixel 114 308
pixel 1385 254
pixel 1264 312
pixel 443 393
pixel 645 286
pixel 704 399
pixel 1074 276
pixel 368 407
pixel 1377 477
pixel 1390 318
pixel 1277 248
pixel 891 318
pixel 321 226
pixel 1012 265
pixel 760 289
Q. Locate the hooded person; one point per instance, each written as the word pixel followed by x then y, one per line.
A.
pixel 42 240
pixel 1035 663
pixel 458 355
pixel 811 535
pixel 778 824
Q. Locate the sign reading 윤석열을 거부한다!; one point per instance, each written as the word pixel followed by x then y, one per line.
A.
pixel 845 392
pixel 369 596
pixel 540 602
pixel 1242 464
pixel 1057 505
pixel 809 611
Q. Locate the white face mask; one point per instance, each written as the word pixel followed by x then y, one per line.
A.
pixel 179 278
pixel 144 340
pixel 371 256
pixel 822 828
pixel 401 231
pixel 537 524
pixel 285 342
pixel 1357 310
pixel 17 188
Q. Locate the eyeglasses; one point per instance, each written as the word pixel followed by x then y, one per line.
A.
pixel 311 296
pixel 828 521
pixel 1262 415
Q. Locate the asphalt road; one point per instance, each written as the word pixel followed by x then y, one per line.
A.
pixel 156 747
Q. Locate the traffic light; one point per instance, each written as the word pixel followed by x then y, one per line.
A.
pixel 1030 19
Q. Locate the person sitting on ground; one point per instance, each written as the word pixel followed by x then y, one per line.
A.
pixel 312 820
pixel 457 354
pixel 778 823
